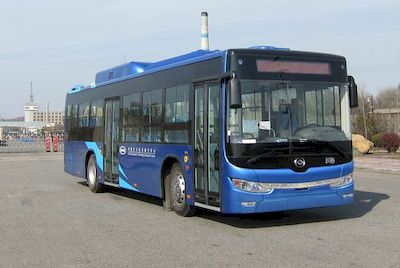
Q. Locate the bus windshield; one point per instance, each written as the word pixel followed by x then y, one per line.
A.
pixel 276 112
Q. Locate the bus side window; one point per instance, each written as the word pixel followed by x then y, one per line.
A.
pixel 152 116
pixel 130 116
pixel 96 120
pixel 74 122
pixel 68 112
pixel 176 127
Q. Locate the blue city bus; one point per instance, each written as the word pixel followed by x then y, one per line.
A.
pixel 236 131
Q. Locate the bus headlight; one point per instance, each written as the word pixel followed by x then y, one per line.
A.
pixel 343 181
pixel 250 186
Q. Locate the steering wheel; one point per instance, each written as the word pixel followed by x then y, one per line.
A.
pixel 248 135
pixel 306 126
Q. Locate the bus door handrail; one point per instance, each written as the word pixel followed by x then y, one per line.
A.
pixel 201 146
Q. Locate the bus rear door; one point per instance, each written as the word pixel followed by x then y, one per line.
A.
pixel 111 139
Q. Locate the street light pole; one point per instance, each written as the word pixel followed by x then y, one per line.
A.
pixel 365 120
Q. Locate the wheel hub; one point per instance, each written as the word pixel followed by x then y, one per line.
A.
pixel 92 174
pixel 178 189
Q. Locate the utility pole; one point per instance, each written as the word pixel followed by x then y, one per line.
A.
pixel 370 100
pixel 363 111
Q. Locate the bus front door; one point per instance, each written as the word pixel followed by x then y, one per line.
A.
pixel 206 145
pixel 111 139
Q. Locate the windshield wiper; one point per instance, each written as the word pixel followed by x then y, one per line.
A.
pixel 264 155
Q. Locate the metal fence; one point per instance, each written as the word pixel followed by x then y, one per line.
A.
pixel 28 145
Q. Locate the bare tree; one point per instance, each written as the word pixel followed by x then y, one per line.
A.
pixel 389 119
pixel 362 122
pixel 388 98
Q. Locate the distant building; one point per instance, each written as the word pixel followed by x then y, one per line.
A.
pixel 30 108
pixel 387 119
pixel 23 128
pixel 32 113
pixel 56 118
pixel 387 111
pixel 34 121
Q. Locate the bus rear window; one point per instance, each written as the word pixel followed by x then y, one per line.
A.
pixel 293 67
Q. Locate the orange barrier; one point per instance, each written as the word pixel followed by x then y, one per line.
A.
pixel 47 144
pixel 55 144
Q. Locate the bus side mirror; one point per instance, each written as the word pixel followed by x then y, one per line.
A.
pixel 235 94
pixel 352 92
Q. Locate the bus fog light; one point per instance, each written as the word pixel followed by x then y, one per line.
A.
pixel 342 181
pixel 250 186
pixel 248 204
pixel 348 195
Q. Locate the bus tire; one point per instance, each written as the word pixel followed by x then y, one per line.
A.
pixel 177 184
pixel 91 176
pixel 167 203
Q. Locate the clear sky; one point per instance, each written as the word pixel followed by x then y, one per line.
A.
pixel 58 44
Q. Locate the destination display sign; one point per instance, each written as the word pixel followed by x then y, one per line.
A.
pixel 293 67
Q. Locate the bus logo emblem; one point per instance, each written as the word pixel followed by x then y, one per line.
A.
pixel 299 162
pixel 122 150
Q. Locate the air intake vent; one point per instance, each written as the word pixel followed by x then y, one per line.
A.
pixel 269 48
pixel 130 68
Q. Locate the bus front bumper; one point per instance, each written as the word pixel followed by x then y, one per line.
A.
pixel 240 202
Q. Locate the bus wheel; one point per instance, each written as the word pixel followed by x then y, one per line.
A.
pixel 177 191
pixel 91 175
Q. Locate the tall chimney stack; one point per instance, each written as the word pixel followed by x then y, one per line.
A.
pixel 204 31
pixel 31 96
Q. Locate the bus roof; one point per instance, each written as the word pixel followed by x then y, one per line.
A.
pixel 136 69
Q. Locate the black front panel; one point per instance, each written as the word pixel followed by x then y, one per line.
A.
pixel 268 156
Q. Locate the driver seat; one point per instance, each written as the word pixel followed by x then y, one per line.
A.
pixel 283 120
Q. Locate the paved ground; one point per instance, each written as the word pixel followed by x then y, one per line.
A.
pixel 378 163
pixel 50 219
